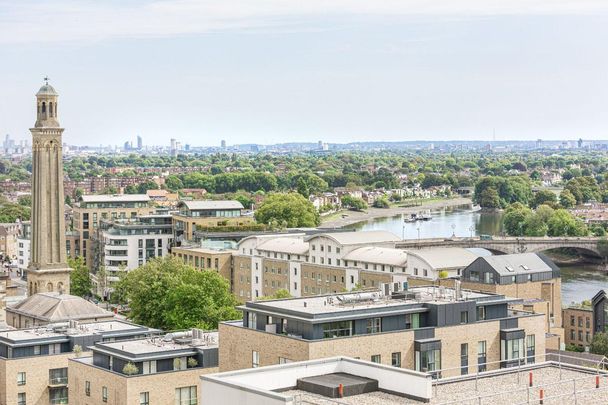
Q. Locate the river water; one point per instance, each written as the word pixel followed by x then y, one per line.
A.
pixel 579 282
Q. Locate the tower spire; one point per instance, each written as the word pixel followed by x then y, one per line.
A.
pixel 48 270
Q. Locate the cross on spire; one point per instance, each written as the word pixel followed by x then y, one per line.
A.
pixel 46 79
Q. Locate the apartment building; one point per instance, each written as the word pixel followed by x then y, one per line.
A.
pixel 130 243
pixel 218 258
pixel 435 329
pixel 600 312
pixel 316 264
pixel 34 362
pixel 208 213
pixel 92 209
pixel 23 246
pixel 154 370
pixel 9 232
pixel 532 277
pixel 578 325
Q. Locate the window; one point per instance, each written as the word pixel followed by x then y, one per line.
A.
pixel 337 329
pixel 464 358
pixel 474 276
pixel 481 355
pixel 580 335
pixel 396 359
pixel 481 313
pixel 415 271
pixel 21 378
pixel 58 376
pixel 255 359
pixel 252 320
pixel 87 388
pixel 144 398
pixel 587 337
pixel 428 360
pixel 284 360
pixel 328 248
pixel 337 250
pixel 512 350
pixel 531 348
pixel 412 321
pixel 572 334
pixel 488 278
pixel 571 320
pixel 104 394
pixel 376 358
pixel 464 317
pixel 21 398
pixel 426 273
pixel 186 396
pixel 374 325
pixel 587 323
pixel 580 321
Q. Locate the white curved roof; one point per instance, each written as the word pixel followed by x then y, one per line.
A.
pixel 359 237
pixel 295 246
pixel 380 255
pixel 445 258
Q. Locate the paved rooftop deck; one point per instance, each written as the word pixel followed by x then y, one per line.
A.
pixel 504 389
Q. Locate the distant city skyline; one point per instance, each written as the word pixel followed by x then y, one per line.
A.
pixel 203 71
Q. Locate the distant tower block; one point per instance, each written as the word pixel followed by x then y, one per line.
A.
pixel 48 270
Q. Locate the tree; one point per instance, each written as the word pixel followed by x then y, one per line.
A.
pixel 10 212
pixel 443 274
pixel 25 200
pixel 80 280
pixel 353 203
pixel 292 208
pixel 567 199
pixel 168 294
pixel 543 197
pixel 381 202
pixel 489 198
pixel 278 294
pixel 563 223
pixel 515 218
pixel 599 344
pixel 602 247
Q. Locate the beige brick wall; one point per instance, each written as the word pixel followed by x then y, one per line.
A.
pixel 237 344
pixel 37 377
pixel 275 276
pixel 124 390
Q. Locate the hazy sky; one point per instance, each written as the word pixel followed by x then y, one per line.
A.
pixel 266 71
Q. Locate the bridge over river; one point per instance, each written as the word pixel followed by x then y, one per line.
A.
pixel 585 245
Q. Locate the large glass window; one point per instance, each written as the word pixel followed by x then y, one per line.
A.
pixel 530 348
pixel 481 356
pixel 58 376
pixel 428 360
pixel 58 395
pixel 374 325
pixel 464 358
pixel 512 350
pixel 255 359
pixel 337 329
pixel 376 358
pixel 21 398
pixel 186 395
pixel 481 313
pixel 21 378
pixel 412 321
pixel 144 398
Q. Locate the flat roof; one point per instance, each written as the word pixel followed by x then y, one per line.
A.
pixel 160 344
pixel 91 198
pixel 365 300
pixel 212 204
pixel 113 327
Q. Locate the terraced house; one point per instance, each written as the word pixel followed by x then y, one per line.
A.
pixel 435 329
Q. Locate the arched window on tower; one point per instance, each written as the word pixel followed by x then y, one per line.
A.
pixel 51 109
pixel 43 107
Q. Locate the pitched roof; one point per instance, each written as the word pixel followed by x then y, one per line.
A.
pixel 445 258
pixel 359 237
pixel 212 205
pixel 520 263
pixel 57 307
pixel 381 255
pixel 295 246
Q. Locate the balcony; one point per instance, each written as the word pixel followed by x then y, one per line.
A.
pixel 58 382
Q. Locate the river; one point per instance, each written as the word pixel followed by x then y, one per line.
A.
pixel 579 282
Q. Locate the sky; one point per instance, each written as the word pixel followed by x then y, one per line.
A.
pixel 271 71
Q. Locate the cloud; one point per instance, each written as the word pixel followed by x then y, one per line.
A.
pixel 27 21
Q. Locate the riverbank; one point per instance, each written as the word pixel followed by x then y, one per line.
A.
pixel 353 217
